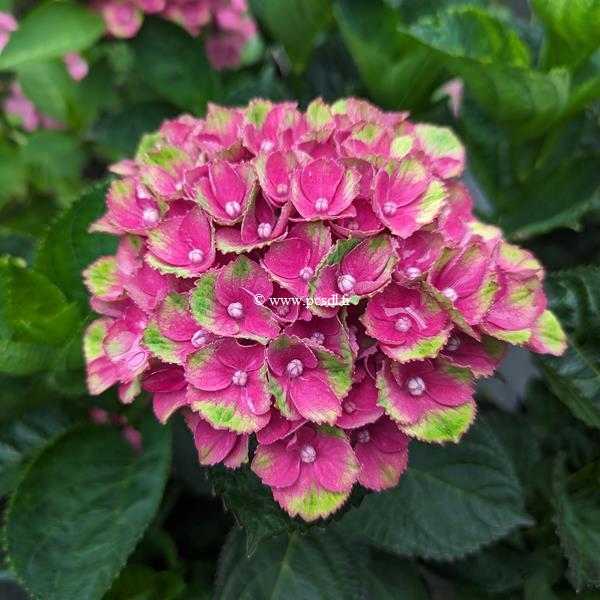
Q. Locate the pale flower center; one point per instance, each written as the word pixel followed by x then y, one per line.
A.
pixel 453 344
pixel 321 205
pixel 264 230
pixel 450 293
pixel 235 310
pixel 295 368
pixel 233 209
pixel 150 216
pixel 352 225
pixel 196 256
pixel 240 378
pixel 306 273
pixel 318 338
pixel 415 386
pixel 363 436
pixel 308 454
pixel 403 324
pixel 413 272
pixel 346 283
pixel 282 310
pixel 199 338
pixel 349 407
pixel 389 209
pixel 267 146
pixel 283 188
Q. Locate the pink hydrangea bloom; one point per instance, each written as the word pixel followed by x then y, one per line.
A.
pixel 229 28
pixel 313 285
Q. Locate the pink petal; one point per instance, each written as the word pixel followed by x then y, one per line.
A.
pixel 276 464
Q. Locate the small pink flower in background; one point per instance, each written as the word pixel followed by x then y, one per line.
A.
pixel 76 66
pixel 123 18
pixel 454 89
pixel 131 434
pixel 228 26
pixel 8 24
pixel 242 233
pixel 20 108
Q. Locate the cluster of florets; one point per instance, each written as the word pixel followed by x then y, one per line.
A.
pixel 226 23
pixel 315 279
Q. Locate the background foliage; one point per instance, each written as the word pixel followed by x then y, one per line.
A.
pixel 513 511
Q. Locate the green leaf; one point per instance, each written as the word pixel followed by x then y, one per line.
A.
pixel 390 578
pixel 54 160
pixel 552 200
pixel 22 437
pixel 297 24
pixel 316 566
pixel 50 31
pixel 578 522
pixel 67 248
pixel 138 582
pixel 12 172
pixel 572 28
pixel 19 358
pixel 451 501
pixel 49 86
pixel 253 505
pixel 496 570
pixel 397 71
pixel 81 508
pixel 472 33
pixel 36 310
pixel 118 134
pixel 494 63
pixel 574 296
pixel 188 83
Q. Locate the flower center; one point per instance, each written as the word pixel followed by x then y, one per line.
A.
pixel 349 407
pixel 363 436
pixel 450 293
pixel 321 205
pixel 282 310
pixel 306 273
pixel 415 386
pixel 453 344
pixel 283 188
pixel 346 283
pixel 199 338
pixel 308 454
pixel 235 310
pixel 196 256
pixel 403 324
pixel 150 216
pixel 267 146
pixel 295 368
pixel 240 378
pixel 413 272
pixel 233 209
pixel 264 230
pixel 389 209
pixel 352 225
pixel 318 338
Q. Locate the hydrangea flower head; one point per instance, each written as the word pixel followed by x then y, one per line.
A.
pixel 230 27
pixel 311 285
